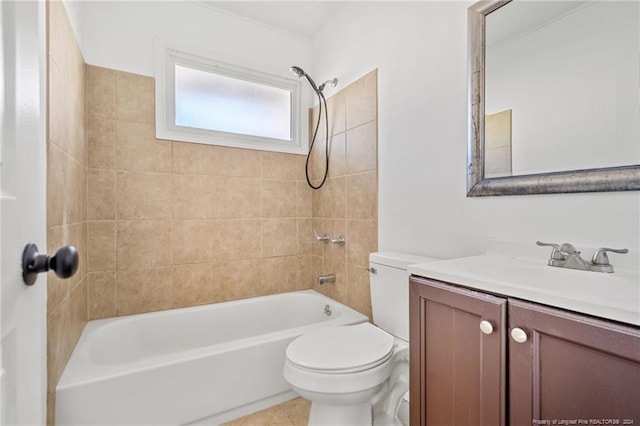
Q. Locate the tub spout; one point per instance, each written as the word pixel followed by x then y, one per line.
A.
pixel 330 278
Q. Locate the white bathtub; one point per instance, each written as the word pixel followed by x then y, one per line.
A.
pixel 208 363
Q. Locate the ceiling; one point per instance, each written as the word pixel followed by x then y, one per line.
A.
pixel 520 17
pixel 303 18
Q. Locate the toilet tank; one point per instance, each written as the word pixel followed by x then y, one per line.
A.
pixel 390 290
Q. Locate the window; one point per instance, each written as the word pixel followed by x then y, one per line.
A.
pixel 205 101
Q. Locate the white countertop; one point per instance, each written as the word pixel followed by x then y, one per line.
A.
pixel 613 296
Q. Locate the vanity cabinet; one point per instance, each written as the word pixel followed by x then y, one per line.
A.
pixel 572 367
pixel 468 369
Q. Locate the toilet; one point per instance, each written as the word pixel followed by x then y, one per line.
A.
pixel 357 375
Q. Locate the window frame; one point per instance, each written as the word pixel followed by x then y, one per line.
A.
pixel 167 59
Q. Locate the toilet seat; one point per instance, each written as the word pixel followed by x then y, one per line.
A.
pixel 341 350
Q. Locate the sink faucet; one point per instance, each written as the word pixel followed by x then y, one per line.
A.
pixel 566 256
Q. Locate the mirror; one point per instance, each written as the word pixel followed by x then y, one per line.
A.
pixel 554 97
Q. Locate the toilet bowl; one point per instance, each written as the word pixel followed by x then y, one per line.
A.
pixel 357 375
pixel 343 370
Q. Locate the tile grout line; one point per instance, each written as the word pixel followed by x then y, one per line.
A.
pixel 173 293
pixel 115 200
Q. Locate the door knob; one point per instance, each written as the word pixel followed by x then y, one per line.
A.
pixel 64 263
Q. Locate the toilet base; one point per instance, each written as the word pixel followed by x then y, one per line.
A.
pixel 349 399
pixel 347 409
pixel 340 415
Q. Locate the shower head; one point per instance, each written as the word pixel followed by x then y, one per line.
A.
pixel 297 71
pixel 318 89
pixel 300 73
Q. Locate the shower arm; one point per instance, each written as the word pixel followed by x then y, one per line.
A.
pixel 318 89
pixel 333 82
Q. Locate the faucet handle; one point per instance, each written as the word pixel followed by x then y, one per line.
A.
pixel 340 240
pixel 324 238
pixel 555 253
pixel 559 254
pixel 600 257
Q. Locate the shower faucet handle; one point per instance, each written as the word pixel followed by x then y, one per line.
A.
pixel 324 238
pixel 340 240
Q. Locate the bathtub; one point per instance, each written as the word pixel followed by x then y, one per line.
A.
pixel 201 365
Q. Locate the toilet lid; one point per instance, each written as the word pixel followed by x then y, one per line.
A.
pixel 341 349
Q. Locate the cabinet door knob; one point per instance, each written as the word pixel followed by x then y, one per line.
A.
pixel 519 335
pixel 486 327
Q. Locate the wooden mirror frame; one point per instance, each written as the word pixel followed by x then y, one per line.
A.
pixel 623 178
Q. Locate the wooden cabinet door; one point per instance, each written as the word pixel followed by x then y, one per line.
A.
pixel 572 368
pixel 457 371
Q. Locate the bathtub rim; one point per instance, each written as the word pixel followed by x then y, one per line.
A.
pixel 75 372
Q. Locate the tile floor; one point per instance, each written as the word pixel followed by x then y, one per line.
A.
pixel 290 413
pixel 294 413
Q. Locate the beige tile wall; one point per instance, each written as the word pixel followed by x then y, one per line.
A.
pixel 348 203
pixel 175 224
pixel 162 224
pixel 66 193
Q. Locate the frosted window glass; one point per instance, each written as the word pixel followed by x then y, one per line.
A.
pixel 214 102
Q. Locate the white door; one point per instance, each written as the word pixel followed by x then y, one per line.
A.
pixel 22 210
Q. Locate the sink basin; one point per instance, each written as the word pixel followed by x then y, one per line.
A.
pixel 613 296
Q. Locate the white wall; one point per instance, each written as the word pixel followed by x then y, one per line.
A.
pixel 420 51
pixel 120 34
